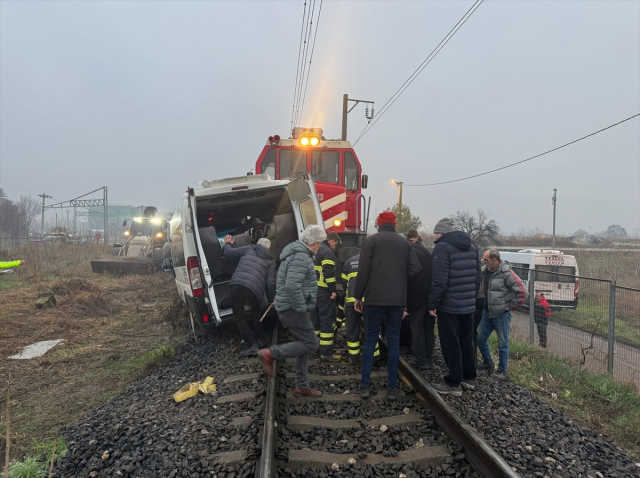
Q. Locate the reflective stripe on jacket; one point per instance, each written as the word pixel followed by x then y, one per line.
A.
pixel 325 266
pixel 349 278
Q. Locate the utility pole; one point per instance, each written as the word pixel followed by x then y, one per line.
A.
pixel 553 200
pixel 43 196
pixel 346 111
pixel 399 184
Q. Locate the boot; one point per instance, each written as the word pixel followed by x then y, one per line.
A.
pixel 331 358
pixel 307 392
pixel 249 351
pixel 267 359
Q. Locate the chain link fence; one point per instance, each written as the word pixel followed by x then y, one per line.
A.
pixel 593 322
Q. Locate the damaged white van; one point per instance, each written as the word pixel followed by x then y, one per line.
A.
pixel 246 207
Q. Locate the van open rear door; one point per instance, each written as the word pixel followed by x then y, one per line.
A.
pixel 305 203
pixel 210 296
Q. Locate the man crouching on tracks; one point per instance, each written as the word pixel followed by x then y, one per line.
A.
pixel 296 290
pixel 456 279
pixel 387 262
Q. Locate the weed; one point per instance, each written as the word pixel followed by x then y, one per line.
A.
pixel 44 449
pixel 143 364
pixel 30 467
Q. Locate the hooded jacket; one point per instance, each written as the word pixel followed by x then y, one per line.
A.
pixel 456 274
pixel 505 290
pixel 256 271
pixel 296 287
pixel 420 286
pixel 387 262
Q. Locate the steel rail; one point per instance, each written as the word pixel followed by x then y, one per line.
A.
pixel 482 457
pixel 267 466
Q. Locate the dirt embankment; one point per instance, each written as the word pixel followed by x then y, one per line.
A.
pixel 115 329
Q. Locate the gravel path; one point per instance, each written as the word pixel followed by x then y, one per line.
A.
pixel 531 435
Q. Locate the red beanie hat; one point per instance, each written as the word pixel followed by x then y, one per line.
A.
pixel 386 217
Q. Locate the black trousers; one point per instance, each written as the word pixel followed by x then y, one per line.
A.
pixel 323 319
pixel 477 318
pixel 542 322
pixel 456 342
pixel 422 325
pixel 240 296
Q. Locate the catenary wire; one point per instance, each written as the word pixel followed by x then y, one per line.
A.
pixel 295 90
pixel 304 59
pixel 315 35
pixel 527 159
pixel 422 66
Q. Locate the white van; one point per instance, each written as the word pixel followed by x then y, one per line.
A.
pixel 555 276
pixel 246 207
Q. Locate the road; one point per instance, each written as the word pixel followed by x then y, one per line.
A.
pixel 570 342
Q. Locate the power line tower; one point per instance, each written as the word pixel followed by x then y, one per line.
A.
pixel 43 196
pixel 80 202
pixel 346 111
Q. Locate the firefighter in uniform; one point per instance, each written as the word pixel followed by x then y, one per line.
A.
pixel 354 318
pixel 324 315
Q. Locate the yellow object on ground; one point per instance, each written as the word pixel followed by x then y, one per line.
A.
pixel 191 389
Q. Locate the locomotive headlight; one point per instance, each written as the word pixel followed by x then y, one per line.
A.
pixel 314 141
pixel 337 223
pixel 159 234
pixel 304 141
pixel 127 233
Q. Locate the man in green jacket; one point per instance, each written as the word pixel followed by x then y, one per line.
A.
pixel 296 290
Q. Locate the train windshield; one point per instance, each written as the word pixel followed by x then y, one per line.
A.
pixel 293 163
pixel 325 166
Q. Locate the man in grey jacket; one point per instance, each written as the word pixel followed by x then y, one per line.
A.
pixel 253 282
pixel 296 290
pixel 503 292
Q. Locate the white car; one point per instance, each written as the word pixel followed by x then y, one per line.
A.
pixel 246 207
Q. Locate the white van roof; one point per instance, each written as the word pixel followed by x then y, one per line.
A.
pixel 217 186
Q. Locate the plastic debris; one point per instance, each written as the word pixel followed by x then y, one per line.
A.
pixel 207 387
pixel 191 389
pixel 36 350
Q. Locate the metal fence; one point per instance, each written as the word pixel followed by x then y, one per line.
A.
pixel 593 322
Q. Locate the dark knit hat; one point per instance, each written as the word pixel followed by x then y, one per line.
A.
pixel 386 217
pixel 444 225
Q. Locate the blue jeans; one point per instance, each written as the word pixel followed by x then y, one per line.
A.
pixel 501 325
pixel 374 315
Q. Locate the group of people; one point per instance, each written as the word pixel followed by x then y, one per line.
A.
pixel 392 279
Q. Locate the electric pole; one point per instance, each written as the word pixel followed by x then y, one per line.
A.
pixel 399 184
pixel 553 200
pixel 43 196
pixel 346 111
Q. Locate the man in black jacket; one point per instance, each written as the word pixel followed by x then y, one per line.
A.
pixel 324 315
pixel 422 323
pixel 387 263
pixel 456 279
pixel 254 281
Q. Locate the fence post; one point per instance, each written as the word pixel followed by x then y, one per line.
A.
pixel 532 302
pixel 612 324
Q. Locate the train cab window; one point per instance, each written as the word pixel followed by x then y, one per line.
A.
pixel 269 163
pixel 325 166
pixel 293 163
pixel 351 172
pixel 308 212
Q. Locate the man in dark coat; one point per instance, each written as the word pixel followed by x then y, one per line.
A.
pixel 422 323
pixel 253 282
pixel 456 279
pixel 387 263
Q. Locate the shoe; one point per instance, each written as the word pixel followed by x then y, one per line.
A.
pixel 307 392
pixel 331 358
pixel 419 366
pixel 468 384
pixel 501 374
pixel 489 367
pixel 447 389
pixel 365 390
pixel 392 394
pixel 249 351
pixel 267 359
pixel 353 359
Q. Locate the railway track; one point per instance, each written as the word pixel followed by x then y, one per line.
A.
pixel 356 437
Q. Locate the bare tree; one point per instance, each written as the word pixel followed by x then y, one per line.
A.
pixel 28 208
pixel 482 230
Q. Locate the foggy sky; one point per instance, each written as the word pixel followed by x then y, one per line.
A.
pixel 148 98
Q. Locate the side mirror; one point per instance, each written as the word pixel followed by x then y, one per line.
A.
pixel 167 264
pixel 365 181
pixel 124 223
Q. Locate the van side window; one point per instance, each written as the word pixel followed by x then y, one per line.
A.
pixel 293 163
pixel 325 166
pixel 308 212
pixel 521 270
pixel 269 163
pixel 351 172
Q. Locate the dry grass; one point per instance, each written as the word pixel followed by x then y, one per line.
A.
pixel 115 329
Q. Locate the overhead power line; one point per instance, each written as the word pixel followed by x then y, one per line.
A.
pixel 420 68
pixel 295 90
pixel 303 65
pixel 527 159
pixel 315 35
pixel 15 186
